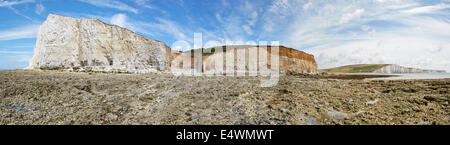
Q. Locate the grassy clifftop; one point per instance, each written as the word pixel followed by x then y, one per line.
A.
pixel 358 68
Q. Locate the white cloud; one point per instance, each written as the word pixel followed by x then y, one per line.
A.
pixel 23 32
pixel 162 25
pixel 382 1
pixel 247 29
pixel 268 26
pixel 307 6
pixel 219 18
pixel 254 15
pixel 111 4
pixel 9 4
pixel 20 13
pixel 119 20
pixel 280 7
pixel 427 9
pixel 411 52
pixel 39 8
pixel 350 32
pixel 349 16
pixel 5 3
pixel 402 6
pixel 147 4
pixel 170 27
pixel 155 28
pixel 365 28
pixel 144 3
pixel 240 22
pixel 253 18
pixel 124 21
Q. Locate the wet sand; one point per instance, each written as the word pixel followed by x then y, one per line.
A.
pixel 55 97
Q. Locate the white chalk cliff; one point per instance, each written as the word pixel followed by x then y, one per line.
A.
pixel 65 42
pixel 393 68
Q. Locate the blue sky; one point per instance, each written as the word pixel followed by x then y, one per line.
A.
pixel 413 33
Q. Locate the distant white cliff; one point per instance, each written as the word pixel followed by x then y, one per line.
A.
pixel 393 68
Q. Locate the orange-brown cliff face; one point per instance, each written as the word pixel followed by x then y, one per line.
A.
pixel 248 59
pixel 295 60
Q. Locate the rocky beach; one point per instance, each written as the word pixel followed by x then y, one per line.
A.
pixel 62 97
pixel 85 71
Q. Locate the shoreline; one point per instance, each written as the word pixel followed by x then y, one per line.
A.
pixel 366 76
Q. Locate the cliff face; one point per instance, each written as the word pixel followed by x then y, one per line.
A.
pixel 65 42
pixel 297 61
pixel 70 43
pixel 393 68
pixel 249 60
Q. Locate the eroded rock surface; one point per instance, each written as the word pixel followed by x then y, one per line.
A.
pixel 58 97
